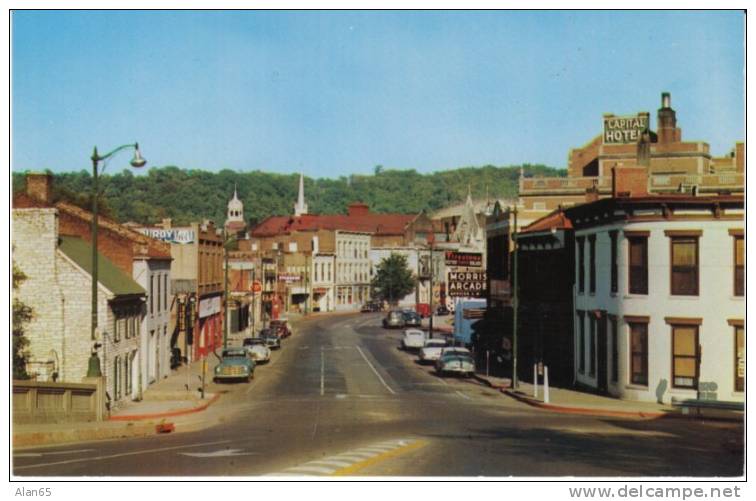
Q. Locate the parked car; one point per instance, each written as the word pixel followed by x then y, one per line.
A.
pixel 371 306
pixel 455 362
pixel 272 340
pixel 442 310
pixel 281 327
pixel 412 319
pixel 431 350
pixel 257 349
pixel 394 319
pixel 413 339
pixel 235 364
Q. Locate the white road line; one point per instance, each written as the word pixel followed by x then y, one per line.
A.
pixel 312 469
pixel 353 456
pixel 123 454
pixel 375 450
pixel 322 372
pixel 53 453
pixel 375 371
pixel 463 395
pixel 330 462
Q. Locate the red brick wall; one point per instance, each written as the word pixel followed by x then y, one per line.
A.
pixel 630 180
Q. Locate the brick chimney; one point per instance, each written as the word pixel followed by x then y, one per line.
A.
pixel 358 209
pixel 629 181
pixel 667 121
pixel 39 186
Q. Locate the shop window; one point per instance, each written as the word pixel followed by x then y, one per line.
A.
pixel 637 265
pixel 580 264
pixel 639 353
pixel 685 356
pixel 739 265
pixel 613 251
pixel 740 360
pixel 592 263
pixel 592 346
pixel 684 266
pixel 581 341
pixel 615 348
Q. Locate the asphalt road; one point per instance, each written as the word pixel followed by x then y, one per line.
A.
pixel 341 398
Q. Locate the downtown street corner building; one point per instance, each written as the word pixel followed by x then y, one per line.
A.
pixel 630 270
pixel 132 339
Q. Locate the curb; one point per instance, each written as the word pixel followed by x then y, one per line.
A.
pixel 585 410
pixel 157 415
pixel 488 383
pixel 47 438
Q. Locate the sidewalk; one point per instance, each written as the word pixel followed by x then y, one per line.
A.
pixel 159 411
pixel 571 401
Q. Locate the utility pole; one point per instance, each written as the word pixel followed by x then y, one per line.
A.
pixel 515 301
pixel 430 322
pixel 225 292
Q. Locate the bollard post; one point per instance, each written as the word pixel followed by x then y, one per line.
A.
pixel 488 353
pixel 546 384
pixel 535 380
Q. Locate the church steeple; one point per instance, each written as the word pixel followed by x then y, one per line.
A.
pixel 235 211
pixel 300 207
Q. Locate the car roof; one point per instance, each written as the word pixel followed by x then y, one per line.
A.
pixel 439 342
pixel 413 331
pixel 234 352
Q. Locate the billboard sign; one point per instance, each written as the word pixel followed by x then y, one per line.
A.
pixel 621 130
pixel 466 284
pixel 170 235
pixel 454 258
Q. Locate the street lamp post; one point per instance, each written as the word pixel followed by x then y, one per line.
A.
pixel 94 369
pixel 515 304
pixel 430 292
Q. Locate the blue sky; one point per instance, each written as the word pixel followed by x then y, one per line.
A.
pixel 334 93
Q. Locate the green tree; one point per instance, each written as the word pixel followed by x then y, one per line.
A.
pixel 21 315
pixel 393 279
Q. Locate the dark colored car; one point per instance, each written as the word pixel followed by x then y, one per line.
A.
pixel 411 319
pixel 371 306
pixel 280 327
pixel 272 339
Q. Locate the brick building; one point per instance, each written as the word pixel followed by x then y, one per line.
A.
pixel 145 260
pixel 58 289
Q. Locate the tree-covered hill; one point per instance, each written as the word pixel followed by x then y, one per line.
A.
pixel 194 195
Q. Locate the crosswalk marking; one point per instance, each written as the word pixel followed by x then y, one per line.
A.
pixel 350 461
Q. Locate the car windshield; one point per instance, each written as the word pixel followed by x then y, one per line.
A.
pixel 234 354
pixel 435 343
pixel 252 341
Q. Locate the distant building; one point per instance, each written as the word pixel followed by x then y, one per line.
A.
pixel 667 164
pixel 235 224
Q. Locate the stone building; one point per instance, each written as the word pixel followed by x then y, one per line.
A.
pixel 58 289
pixel 146 260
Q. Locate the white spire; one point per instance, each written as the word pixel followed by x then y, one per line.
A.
pixel 300 207
pixel 235 211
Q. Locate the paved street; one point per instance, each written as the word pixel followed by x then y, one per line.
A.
pixel 341 398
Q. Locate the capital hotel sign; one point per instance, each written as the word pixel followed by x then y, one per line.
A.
pixel 619 130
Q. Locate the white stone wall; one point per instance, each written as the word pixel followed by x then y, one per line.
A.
pixel 155 338
pixel 715 305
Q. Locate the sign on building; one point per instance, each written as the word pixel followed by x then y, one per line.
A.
pixel 288 277
pixel 209 306
pixel 170 235
pixel 454 258
pixel 466 284
pixel 619 130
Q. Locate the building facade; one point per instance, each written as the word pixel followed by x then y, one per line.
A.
pixel 659 297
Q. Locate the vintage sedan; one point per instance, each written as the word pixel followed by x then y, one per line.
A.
pixel 394 319
pixel 235 364
pixel 272 339
pixel 431 350
pixel 455 362
pixel 413 339
pixel 411 318
pixel 257 349
pixel 281 326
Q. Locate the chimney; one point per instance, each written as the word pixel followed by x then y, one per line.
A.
pixel 629 181
pixel 39 186
pixel 667 121
pixel 591 194
pixel 358 209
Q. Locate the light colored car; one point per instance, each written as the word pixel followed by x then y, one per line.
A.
pixel 394 319
pixel 235 364
pixel 455 363
pixel 431 351
pixel 413 339
pixel 257 349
